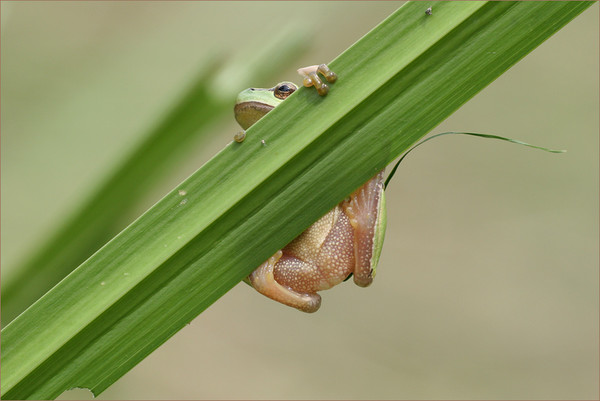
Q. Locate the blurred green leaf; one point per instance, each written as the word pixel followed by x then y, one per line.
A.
pixel 396 84
pixel 208 99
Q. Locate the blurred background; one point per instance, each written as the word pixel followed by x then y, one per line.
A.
pixel 488 283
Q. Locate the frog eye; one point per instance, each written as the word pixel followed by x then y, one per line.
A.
pixel 283 90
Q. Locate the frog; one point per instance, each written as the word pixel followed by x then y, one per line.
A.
pixel 346 241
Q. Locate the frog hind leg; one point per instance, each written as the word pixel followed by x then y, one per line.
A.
pixel 366 209
pixel 263 280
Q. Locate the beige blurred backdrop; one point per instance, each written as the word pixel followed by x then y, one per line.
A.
pixel 488 283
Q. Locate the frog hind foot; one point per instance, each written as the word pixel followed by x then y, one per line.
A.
pixel 366 210
pixel 263 280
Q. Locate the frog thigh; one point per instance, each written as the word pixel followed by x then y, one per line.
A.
pixel 263 280
pixel 366 210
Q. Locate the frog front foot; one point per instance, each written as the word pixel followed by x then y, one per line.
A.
pixel 311 77
pixel 240 136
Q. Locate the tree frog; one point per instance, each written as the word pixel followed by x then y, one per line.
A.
pixel 345 241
